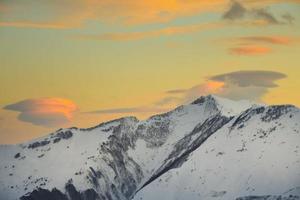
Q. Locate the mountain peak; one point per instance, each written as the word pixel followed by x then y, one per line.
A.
pixel 226 106
pixel 204 99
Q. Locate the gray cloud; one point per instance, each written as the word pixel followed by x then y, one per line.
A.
pixel 167 100
pixel 48 112
pixel 288 18
pixel 237 11
pixel 251 85
pixel 264 14
pixel 177 91
pixel 250 78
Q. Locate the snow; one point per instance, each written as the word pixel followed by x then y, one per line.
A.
pixel 231 163
pixel 218 169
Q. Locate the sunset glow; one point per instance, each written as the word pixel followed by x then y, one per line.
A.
pixel 79 63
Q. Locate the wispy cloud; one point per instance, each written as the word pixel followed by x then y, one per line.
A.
pixel 257 45
pixel 70 14
pixel 126 36
pixel 176 91
pixel 281 40
pixel 41 25
pixel 128 110
pixel 48 112
pixel 167 100
pixel 250 50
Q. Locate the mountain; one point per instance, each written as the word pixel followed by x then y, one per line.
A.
pixel 213 148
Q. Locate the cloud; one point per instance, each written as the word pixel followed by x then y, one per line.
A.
pixel 288 18
pixel 280 40
pixel 127 110
pixel 177 91
pixel 43 25
pixel 251 85
pixel 167 100
pixel 127 36
pixel 250 50
pixel 258 16
pixel 236 11
pixel 48 112
pixel 73 14
pixel 255 45
pixel 250 78
pixel 265 15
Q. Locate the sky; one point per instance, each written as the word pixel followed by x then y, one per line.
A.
pixel 78 63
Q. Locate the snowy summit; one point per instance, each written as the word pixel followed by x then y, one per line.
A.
pixel 211 149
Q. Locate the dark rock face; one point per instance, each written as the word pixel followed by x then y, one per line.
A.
pixel 209 99
pixel 269 197
pixel 116 157
pixel 54 194
pixel 64 135
pixel 268 114
pixel 38 144
pixel 186 145
pixel 274 112
pixel 104 124
pixel 155 133
pixel 246 115
pixel 17 155
pixel 42 194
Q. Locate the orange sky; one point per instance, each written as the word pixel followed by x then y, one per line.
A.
pixel 78 63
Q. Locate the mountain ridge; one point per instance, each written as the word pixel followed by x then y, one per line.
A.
pixel 119 158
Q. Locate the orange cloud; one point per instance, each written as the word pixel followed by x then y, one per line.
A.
pixel 71 14
pixel 282 40
pixel 44 111
pixel 250 50
pixel 147 34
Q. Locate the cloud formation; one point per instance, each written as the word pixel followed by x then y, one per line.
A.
pixel 236 11
pixel 127 36
pixel 250 50
pixel 288 18
pixel 48 112
pixel 250 78
pixel 259 16
pixel 167 100
pixel 280 40
pixel 73 14
pixel 256 45
pixel 177 91
pixel 128 110
pixel 251 85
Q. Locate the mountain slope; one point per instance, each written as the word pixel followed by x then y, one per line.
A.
pixel 127 158
pixel 255 155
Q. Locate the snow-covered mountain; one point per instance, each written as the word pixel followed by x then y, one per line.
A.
pixel 213 148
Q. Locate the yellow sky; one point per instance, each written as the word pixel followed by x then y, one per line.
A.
pixel 83 62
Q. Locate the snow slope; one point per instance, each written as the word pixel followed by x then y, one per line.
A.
pixel 255 154
pixel 211 148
